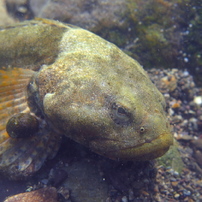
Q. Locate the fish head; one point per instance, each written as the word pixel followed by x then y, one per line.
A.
pixel 100 97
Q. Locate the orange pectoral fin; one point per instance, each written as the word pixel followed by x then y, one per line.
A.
pixel 13 83
pixel 21 157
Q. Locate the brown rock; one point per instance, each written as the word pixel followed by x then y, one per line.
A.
pixel 169 83
pixel 19 9
pixel 198 157
pixel 48 194
pixel 89 14
pixel 5 19
pixel 174 184
pixel 197 143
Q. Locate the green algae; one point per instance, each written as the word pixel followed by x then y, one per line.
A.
pixel 172 159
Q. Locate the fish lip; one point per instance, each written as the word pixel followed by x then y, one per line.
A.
pixel 144 151
pixel 122 142
pixel 148 141
pixel 148 151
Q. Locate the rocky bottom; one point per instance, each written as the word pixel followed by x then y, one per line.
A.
pixel 78 175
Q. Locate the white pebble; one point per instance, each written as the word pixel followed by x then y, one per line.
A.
pixel 124 199
pixel 198 100
pixel 186 59
pixel 186 73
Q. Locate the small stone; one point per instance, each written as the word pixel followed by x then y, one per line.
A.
pixel 174 184
pixel 44 181
pixel 176 105
pixel 197 143
pixel 108 200
pixel 131 195
pixel 57 176
pixel 198 157
pixel 145 193
pixel 64 192
pixel 186 192
pixel 169 83
pixel 176 196
pixel 198 100
pixel 124 199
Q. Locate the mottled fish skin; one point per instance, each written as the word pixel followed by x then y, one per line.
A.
pixel 86 89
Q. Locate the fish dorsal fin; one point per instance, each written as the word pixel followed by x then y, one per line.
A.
pixel 13 84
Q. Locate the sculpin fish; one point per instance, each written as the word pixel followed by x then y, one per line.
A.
pixel 57 79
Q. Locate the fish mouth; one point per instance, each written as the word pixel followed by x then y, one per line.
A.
pixel 146 151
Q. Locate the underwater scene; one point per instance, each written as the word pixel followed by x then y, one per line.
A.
pixel 100 101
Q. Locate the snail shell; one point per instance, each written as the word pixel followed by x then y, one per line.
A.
pixel 22 125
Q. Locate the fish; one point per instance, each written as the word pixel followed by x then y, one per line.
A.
pixel 58 80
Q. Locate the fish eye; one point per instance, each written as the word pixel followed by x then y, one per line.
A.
pixel 142 129
pixel 121 111
pixel 120 115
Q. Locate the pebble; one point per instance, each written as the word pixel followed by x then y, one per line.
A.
pixel 176 196
pixel 186 192
pixel 169 83
pixel 174 184
pixel 131 195
pixel 64 192
pixel 198 100
pixel 185 115
pixel 57 176
pixel 124 199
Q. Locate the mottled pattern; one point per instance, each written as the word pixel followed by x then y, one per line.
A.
pixel 89 91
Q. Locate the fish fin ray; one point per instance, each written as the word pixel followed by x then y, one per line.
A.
pixel 13 84
pixel 23 157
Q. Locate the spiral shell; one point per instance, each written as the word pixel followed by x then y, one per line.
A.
pixel 22 125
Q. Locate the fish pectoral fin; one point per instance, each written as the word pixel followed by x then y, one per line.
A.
pixel 23 146
pixel 13 84
pixel 22 157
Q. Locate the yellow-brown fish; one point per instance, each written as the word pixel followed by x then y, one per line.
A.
pixel 57 79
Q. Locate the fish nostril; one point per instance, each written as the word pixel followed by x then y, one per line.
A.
pixel 148 141
pixel 142 129
pixel 156 111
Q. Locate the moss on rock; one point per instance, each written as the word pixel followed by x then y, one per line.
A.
pixel 172 159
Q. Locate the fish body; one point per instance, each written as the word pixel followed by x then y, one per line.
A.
pixel 78 85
